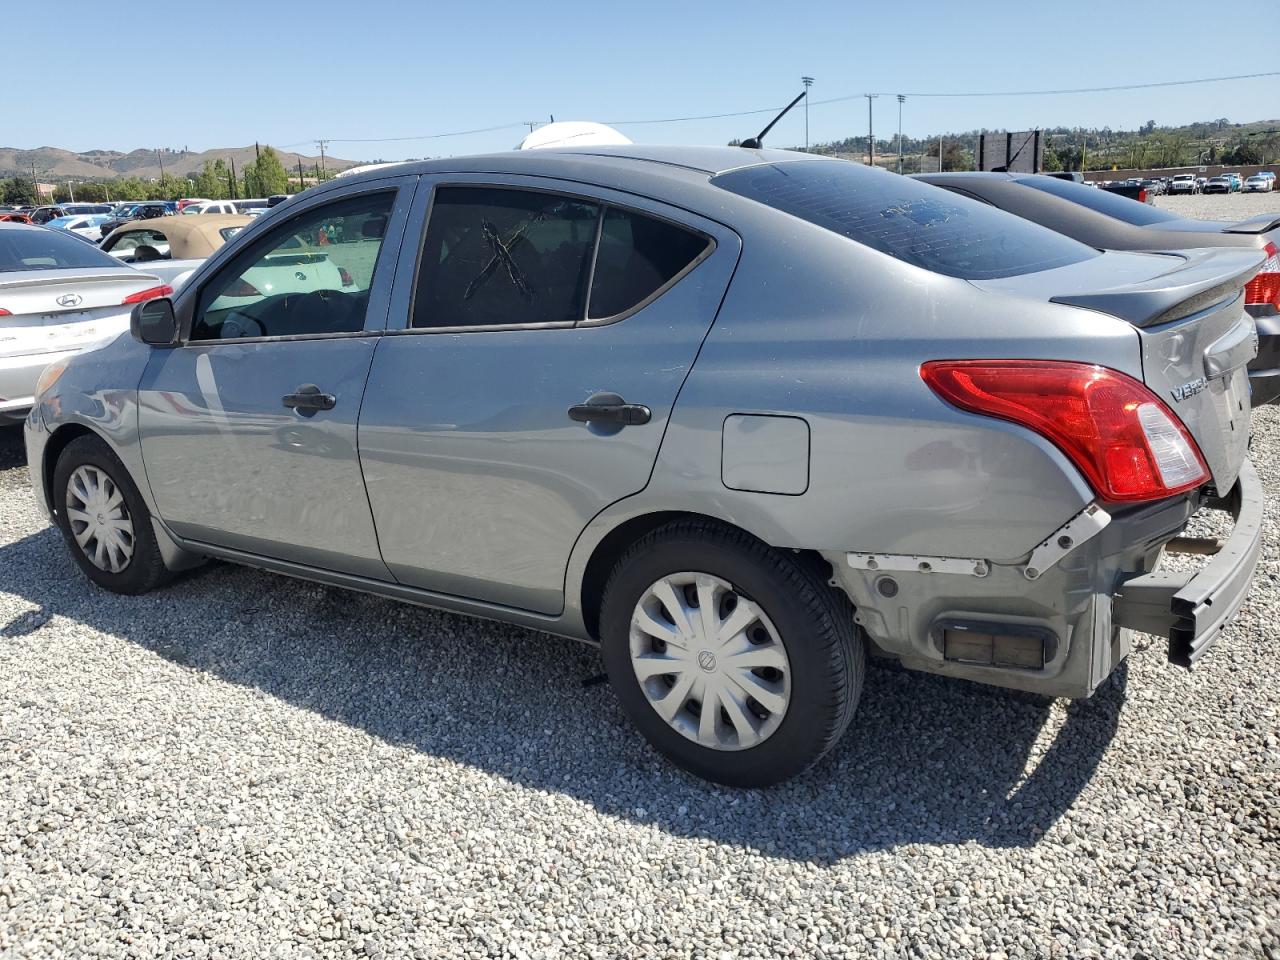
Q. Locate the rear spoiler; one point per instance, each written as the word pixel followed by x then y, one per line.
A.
pixel 1198 280
pixel 1262 223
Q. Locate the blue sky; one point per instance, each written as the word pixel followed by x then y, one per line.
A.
pixel 229 73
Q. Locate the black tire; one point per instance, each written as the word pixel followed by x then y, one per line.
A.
pixel 145 569
pixel 814 621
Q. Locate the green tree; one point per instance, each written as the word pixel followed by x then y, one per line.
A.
pixel 211 182
pixel 20 191
pixel 1052 162
pixel 266 175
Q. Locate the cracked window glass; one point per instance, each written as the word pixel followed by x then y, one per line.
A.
pixel 494 256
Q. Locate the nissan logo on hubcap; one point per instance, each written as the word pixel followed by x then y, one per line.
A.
pixel 707 660
pixel 70 300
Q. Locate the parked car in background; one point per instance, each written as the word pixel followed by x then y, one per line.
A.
pixel 1258 184
pixel 1236 181
pixel 1111 223
pixel 58 295
pixel 210 206
pixel 187 201
pixel 146 210
pixel 89 227
pixel 172 247
pixel 70 209
pixel 1154 187
pixel 14 216
pixel 735 415
pixel 1218 185
pixel 1184 183
pixel 42 215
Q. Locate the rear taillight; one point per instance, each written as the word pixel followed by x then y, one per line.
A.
pixel 1126 442
pixel 1142 195
pixel 5 313
pixel 1265 287
pixel 346 277
pixel 150 293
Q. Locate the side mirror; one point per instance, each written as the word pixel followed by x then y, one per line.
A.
pixel 153 322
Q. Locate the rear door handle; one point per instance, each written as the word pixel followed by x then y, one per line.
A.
pixel 309 397
pixel 611 409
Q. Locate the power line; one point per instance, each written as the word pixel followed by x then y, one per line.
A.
pixel 817 103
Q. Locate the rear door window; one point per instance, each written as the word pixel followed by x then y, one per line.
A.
pixel 910 221
pixel 495 257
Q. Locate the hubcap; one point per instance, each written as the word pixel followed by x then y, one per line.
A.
pixel 99 519
pixel 709 661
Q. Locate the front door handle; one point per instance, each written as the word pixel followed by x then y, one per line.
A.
pixel 308 398
pixel 609 408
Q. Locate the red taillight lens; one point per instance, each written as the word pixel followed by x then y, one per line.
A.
pixel 1265 287
pixel 240 287
pixel 5 313
pixel 150 293
pixel 1119 434
pixel 346 277
pixel 1142 195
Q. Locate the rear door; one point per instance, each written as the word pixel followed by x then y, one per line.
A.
pixel 248 429
pixel 526 303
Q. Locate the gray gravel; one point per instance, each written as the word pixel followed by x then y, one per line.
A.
pixel 242 765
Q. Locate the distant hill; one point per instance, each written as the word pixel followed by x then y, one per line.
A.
pixel 53 163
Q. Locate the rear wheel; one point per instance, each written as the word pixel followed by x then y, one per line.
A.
pixel 104 520
pixel 736 661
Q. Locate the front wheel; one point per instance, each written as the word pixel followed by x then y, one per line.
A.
pixel 104 520
pixel 735 660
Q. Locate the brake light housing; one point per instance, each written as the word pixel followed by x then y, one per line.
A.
pixel 1124 440
pixel 151 293
pixel 1265 287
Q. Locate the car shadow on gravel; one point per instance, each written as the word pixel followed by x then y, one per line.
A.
pixel 927 760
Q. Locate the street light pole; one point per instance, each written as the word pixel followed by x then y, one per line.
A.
pixel 902 98
pixel 808 82
pixel 871 137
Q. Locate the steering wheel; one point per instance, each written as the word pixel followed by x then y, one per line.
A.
pixel 237 319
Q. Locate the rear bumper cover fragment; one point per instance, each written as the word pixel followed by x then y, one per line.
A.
pixel 1190 608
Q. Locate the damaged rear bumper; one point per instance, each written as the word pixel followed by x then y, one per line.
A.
pixel 1191 608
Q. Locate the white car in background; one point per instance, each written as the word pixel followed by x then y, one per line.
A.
pixel 60 295
pixel 1184 183
pixel 87 226
pixel 1258 184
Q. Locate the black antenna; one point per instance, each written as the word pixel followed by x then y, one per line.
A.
pixel 756 142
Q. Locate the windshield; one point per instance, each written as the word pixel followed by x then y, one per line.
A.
pixel 49 250
pixel 1101 201
pixel 910 221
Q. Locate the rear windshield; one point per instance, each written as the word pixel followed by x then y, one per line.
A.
pixel 911 221
pixel 42 249
pixel 1103 201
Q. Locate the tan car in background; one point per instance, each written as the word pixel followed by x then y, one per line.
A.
pixel 172 247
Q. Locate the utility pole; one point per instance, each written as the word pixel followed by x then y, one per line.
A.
pixel 808 82
pixel 322 144
pixel 531 124
pixel 257 166
pixel 939 153
pixel 871 137
pixel 902 98
pixel 161 159
pixel 231 182
pixel 71 190
pixel 301 182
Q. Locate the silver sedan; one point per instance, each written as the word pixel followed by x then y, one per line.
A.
pixel 738 416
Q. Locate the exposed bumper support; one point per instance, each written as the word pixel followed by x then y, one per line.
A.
pixel 1191 608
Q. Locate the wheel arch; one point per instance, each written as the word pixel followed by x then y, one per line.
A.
pixel 58 441
pixel 615 543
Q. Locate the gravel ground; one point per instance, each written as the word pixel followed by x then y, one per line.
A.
pixel 1222 206
pixel 242 765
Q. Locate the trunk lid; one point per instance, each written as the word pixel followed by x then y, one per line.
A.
pixel 91 309
pixel 1195 338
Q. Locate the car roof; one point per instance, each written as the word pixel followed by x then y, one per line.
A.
pixel 189 237
pixel 704 160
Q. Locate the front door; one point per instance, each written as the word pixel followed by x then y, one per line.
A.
pixel 249 427
pixel 527 377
